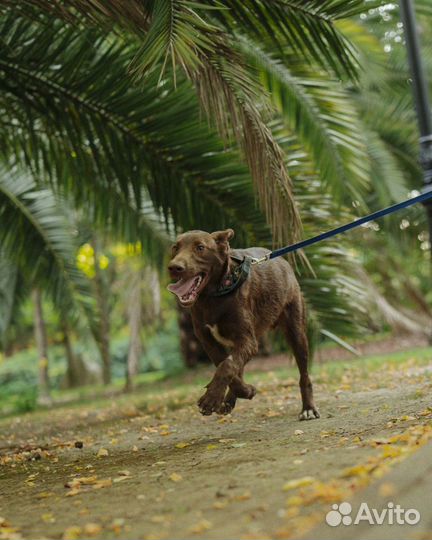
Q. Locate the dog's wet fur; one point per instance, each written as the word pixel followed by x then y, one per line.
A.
pixel 230 326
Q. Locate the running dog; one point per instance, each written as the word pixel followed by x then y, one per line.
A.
pixel 233 303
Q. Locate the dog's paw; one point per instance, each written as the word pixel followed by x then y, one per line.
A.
pixel 252 391
pixel 309 413
pixel 209 403
pixel 226 407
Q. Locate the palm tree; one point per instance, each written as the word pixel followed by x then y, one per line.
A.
pixel 138 159
pixel 201 39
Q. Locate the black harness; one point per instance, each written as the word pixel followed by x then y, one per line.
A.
pixel 237 277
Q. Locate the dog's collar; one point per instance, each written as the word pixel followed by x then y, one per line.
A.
pixel 232 280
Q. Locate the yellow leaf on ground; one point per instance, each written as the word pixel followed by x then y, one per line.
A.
pixel 182 445
pixel 72 533
pixel 357 470
pixel 298 482
pixel 242 497
pixel 201 527
pixel 220 505
pixel 92 529
pixel 174 477
pixel 107 482
pixel 81 481
pixel 391 451
pixel 387 489
pixel 295 501
pixel 44 494
pixel 73 492
pixel 102 452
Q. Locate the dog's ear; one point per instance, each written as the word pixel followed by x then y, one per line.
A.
pixel 222 238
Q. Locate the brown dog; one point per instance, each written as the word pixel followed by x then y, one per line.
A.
pixel 229 323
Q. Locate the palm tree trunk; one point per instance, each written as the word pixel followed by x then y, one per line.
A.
pixel 76 374
pixel 135 317
pixel 42 349
pixel 103 338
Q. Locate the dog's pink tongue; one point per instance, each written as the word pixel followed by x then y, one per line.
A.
pixel 181 287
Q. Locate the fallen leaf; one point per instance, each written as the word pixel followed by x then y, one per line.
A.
pixel 242 497
pixel 102 452
pixel 298 482
pixel 174 477
pixel 72 533
pixel 120 479
pixel 100 484
pixel 92 529
pixel 298 432
pixel 391 451
pixel 219 505
pixel 182 445
pixel 117 525
pixel 44 494
pixel 81 481
pixel 201 527
pixel 272 414
pixel 387 489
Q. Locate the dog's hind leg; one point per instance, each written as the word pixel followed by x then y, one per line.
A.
pixel 293 322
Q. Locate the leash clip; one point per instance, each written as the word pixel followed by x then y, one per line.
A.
pixel 254 260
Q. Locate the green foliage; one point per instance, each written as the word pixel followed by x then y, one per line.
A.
pixel 102 128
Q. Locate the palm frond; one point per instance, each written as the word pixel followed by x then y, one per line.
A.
pixel 35 236
pixel 322 116
pixel 307 28
pixel 58 121
pixel 227 102
pixel 184 29
pixel 336 300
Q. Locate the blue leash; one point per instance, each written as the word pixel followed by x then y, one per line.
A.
pixel 347 227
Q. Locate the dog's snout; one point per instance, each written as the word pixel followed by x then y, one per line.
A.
pixel 176 268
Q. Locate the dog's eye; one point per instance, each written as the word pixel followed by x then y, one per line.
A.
pixel 200 247
pixel 175 248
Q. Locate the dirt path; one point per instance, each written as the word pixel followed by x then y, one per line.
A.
pixel 171 473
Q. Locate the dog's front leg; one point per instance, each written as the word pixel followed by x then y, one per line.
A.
pixel 214 396
pixel 237 389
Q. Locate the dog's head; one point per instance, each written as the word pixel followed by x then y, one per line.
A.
pixel 198 260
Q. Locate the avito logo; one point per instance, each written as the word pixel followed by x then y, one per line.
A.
pixel 392 514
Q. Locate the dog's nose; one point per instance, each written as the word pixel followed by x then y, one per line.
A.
pixel 176 268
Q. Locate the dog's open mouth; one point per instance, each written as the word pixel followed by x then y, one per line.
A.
pixel 187 289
